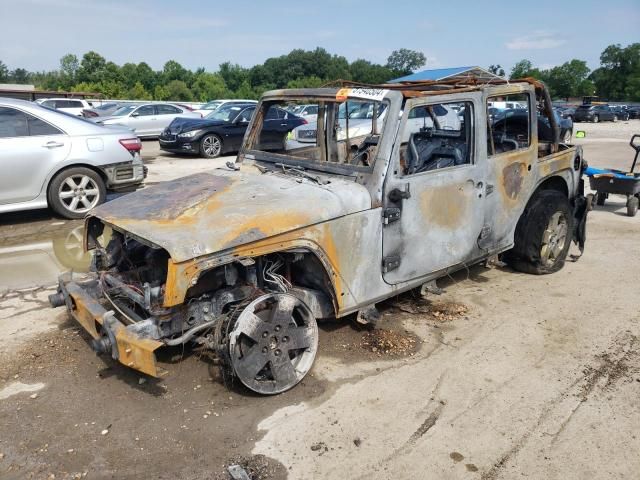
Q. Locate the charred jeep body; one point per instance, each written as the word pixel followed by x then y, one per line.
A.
pixel 392 187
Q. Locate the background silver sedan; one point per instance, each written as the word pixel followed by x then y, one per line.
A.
pixel 148 119
pixel 50 158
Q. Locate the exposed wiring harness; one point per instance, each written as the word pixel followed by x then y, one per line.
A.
pixel 270 276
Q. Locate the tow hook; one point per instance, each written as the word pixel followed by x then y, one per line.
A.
pixel 101 345
pixel 56 300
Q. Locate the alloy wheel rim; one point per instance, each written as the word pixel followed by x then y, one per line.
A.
pixel 273 343
pixel 211 146
pixel 79 193
pixel 554 238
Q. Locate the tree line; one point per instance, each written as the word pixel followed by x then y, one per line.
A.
pixel 617 77
pixel 297 69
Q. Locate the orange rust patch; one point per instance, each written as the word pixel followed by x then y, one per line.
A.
pixel 512 178
pixel 445 206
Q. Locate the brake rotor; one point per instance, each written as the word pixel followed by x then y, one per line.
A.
pixel 273 343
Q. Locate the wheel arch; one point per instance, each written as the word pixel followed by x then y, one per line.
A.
pixel 315 272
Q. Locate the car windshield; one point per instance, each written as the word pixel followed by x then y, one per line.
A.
pixel 126 110
pixel 106 106
pixel 226 113
pixel 211 105
pixel 344 136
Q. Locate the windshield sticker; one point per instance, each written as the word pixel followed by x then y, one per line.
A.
pixel 376 94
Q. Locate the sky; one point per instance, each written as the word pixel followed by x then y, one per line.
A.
pixel 35 34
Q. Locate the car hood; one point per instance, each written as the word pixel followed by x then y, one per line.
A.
pixel 214 211
pixel 184 124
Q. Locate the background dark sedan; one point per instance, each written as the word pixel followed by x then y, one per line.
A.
pixel 595 113
pixel 223 131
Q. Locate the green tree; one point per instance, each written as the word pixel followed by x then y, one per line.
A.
pixel 524 68
pixel 177 90
pixel 234 75
pixel 306 82
pixel 91 67
pixel 19 75
pixel 138 92
pixel 147 76
pixel 160 93
pixel 405 61
pixel 569 79
pixel 619 73
pixel 208 86
pixel 172 70
pixel 4 72
pixel 245 91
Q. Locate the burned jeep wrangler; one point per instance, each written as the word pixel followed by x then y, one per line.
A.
pixel 389 188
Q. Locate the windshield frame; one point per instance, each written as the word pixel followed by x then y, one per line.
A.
pixel 273 158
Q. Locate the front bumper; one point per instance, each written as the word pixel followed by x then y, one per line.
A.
pixel 82 299
pixel 179 146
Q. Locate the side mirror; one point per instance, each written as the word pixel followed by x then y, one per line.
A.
pixel 135 114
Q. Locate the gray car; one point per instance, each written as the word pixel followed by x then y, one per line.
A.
pixel 104 110
pixel 147 119
pixel 53 159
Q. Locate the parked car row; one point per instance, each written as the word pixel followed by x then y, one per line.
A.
pixel 599 112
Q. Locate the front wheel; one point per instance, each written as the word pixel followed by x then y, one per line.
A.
pixel 596 119
pixel 272 343
pixel 75 191
pixel 615 118
pixel 543 234
pixel 210 146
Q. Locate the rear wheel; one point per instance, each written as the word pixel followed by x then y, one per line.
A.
pixel 210 146
pixel 75 191
pixel 543 234
pixel 632 206
pixel 615 118
pixel 601 198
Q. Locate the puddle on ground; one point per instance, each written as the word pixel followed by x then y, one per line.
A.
pixel 38 262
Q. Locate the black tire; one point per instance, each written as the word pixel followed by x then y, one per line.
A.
pixel 632 206
pixel 58 186
pixel 210 146
pixel 601 198
pixel 596 119
pixel 536 250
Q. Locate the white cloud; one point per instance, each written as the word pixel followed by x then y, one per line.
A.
pixel 539 40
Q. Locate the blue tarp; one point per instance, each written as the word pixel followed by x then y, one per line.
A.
pixel 590 172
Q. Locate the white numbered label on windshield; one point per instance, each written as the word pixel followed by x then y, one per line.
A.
pixel 376 94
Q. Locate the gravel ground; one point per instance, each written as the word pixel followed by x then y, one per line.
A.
pixel 505 375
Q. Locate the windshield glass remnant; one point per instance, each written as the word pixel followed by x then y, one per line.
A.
pixel 342 131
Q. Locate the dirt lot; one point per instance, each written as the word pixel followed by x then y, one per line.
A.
pixel 506 375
